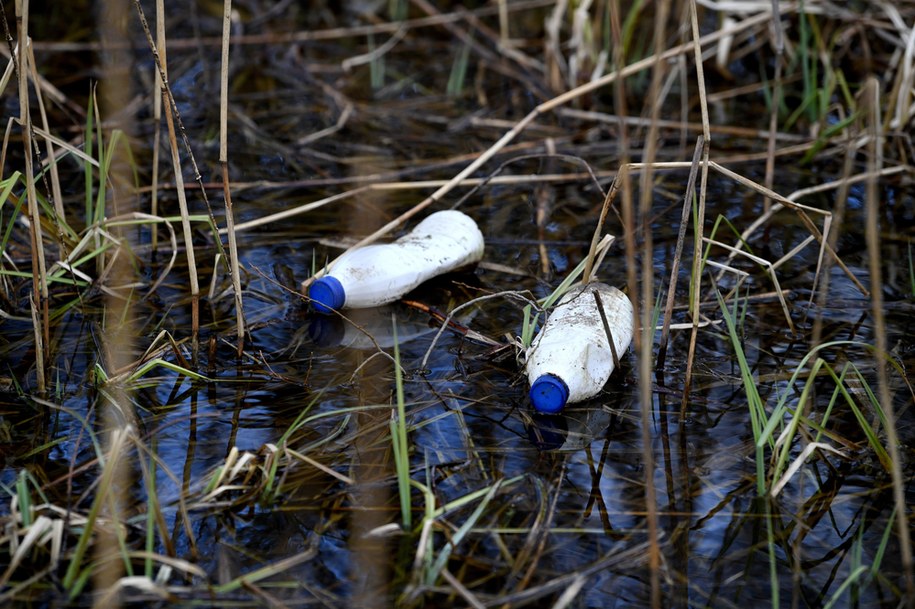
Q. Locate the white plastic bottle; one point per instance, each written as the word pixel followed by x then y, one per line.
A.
pixel 570 358
pixel 378 274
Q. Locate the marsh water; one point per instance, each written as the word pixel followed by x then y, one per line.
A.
pixel 533 505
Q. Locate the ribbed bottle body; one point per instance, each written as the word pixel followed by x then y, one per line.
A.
pixel 378 274
pixel 570 359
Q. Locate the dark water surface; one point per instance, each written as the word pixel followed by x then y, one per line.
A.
pixel 569 494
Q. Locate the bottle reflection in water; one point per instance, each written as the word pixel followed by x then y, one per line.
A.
pixel 369 328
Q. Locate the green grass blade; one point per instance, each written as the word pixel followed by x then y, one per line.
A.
pixel 758 417
pixel 458 74
pixel 851 579
pixel 445 554
pixel 399 438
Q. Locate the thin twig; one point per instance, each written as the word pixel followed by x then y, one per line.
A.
pixel 607 330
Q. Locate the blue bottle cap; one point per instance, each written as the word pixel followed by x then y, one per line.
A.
pixel 549 394
pixel 327 294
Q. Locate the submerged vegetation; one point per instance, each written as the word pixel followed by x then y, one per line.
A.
pixel 177 426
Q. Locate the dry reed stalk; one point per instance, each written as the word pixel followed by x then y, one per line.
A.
pixel 644 342
pixel 776 98
pixel 843 182
pixel 700 211
pixel 732 130
pixel 160 62
pixel 159 53
pixel 366 58
pixel 119 334
pixel 548 106
pixel 39 299
pixel 871 103
pixel 900 111
pixel 590 269
pixel 341 122
pixel 224 163
pixel 504 27
pixel 55 192
pixel 544 198
pixel 555 63
pixel 175 126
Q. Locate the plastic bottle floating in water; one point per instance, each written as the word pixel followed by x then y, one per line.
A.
pixel 570 358
pixel 378 274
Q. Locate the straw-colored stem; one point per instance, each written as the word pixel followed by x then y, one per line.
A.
pixel 119 333
pixel 872 236
pixel 161 60
pixel 39 275
pixel 588 273
pixel 644 340
pixel 55 191
pixel 775 101
pixel 224 163
pixel 157 49
pixel 700 210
